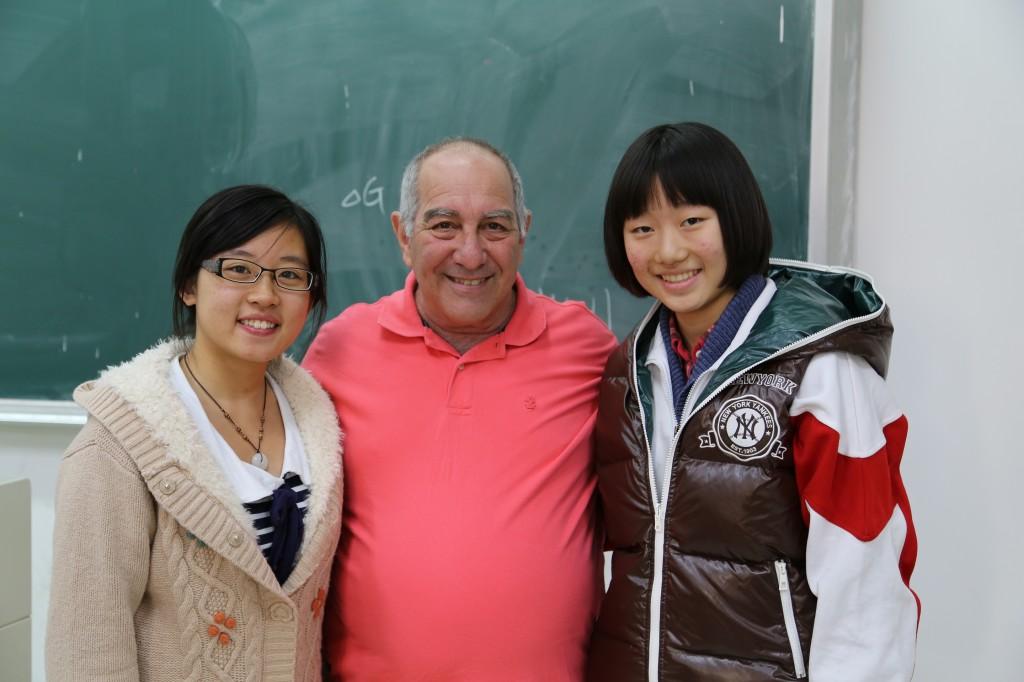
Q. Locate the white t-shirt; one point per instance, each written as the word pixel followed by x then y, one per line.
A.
pixel 249 482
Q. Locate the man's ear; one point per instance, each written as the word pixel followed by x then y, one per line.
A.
pixel 401 236
pixel 526 226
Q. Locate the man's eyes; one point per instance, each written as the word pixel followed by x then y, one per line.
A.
pixel 443 228
pixel 491 228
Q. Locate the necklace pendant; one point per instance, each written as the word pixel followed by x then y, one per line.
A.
pixel 259 460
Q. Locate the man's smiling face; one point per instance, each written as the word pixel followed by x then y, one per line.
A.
pixel 465 246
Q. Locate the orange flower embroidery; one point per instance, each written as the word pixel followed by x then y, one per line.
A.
pixel 222 619
pixel 318 602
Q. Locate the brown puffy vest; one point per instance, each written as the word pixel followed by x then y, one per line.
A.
pixel 732 560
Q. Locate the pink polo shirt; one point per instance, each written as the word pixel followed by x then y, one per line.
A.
pixel 468 549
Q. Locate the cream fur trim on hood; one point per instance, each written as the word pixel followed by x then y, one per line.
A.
pixel 144 383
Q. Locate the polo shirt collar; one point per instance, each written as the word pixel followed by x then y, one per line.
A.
pixel 528 319
pixel 399 315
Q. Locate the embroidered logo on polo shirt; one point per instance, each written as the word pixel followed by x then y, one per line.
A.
pixel 746 428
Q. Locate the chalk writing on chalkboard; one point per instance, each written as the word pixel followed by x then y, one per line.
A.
pixel 370 196
pixel 592 304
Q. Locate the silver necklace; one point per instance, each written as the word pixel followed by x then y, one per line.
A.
pixel 258 459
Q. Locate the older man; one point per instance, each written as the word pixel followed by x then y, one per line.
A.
pixel 468 548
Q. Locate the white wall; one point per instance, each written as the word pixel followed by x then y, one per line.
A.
pixel 33 451
pixel 939 221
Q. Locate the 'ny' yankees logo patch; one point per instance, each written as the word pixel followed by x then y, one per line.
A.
pixel 746 428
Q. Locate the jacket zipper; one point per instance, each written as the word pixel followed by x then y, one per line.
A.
pixel 660 505
pixel 659 524
pixel 654 633
pixel 786 597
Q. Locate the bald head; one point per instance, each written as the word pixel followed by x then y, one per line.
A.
pixel 409 200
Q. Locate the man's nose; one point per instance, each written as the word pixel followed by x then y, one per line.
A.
pixel 470 253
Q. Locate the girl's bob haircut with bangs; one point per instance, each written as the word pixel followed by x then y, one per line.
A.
pixel 694 164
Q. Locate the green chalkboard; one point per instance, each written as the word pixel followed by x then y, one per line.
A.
pixel 118 117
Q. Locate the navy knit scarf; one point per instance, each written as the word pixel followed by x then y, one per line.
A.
pixel 717 342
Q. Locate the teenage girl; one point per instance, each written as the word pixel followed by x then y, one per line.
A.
pixel 748 449
pixel 198 510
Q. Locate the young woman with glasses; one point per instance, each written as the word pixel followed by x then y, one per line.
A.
pixel 199 508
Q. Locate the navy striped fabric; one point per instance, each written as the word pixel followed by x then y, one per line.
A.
pixel 271 538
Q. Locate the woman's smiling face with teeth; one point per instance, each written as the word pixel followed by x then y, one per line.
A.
pixel 251 322
pixel 677 255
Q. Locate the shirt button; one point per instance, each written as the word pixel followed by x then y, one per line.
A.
pixel 235 539
pixel 462 367
pixel 280 612
pixel 167 486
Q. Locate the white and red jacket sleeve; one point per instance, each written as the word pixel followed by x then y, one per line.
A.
pixel 861 546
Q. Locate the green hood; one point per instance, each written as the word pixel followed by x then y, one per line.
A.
pixel 815 309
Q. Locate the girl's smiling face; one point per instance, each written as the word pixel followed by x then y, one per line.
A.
pixel 251 323
pixel 677 255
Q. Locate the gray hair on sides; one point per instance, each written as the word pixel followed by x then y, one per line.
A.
pixel 409 199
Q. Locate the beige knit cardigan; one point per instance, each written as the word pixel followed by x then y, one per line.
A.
pixel 156 571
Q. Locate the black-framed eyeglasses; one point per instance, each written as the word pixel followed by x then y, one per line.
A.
pixel 246 272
